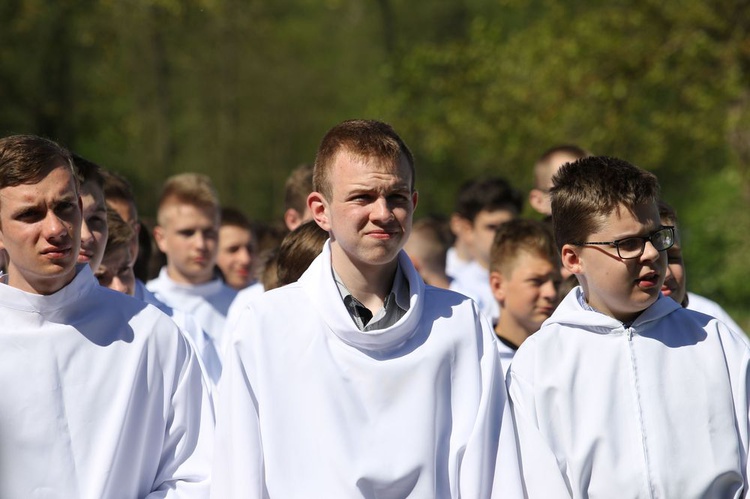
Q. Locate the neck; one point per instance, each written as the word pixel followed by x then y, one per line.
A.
pixel 370 284
pixel 511 330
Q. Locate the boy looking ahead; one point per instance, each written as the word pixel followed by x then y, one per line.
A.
pixel 622 392
pixel 524 277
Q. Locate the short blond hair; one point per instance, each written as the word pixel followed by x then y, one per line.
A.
pixel 192 189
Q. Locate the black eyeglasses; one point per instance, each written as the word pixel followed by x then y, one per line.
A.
pixel 633 247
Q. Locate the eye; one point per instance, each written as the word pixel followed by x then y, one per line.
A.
pixel 631 244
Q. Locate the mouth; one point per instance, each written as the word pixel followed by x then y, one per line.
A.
pixel 58 253
pixel 383 234
pixel 666 290
pixel 649 281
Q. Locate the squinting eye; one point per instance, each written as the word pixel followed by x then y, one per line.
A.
pixel 630 244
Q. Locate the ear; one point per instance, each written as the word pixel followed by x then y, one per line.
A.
pixel 160 238
pixel 571 260
pixel 497 285
pixel 459 225
pixel 319 209
pixel 414 198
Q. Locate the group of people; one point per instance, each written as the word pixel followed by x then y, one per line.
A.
pixel 346 366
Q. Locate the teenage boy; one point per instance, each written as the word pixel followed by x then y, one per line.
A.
pixel 116 270
pixel 237 253
pixel 482 208
pixel 545 168
pixel 187 233
pixel 102 396
pixel 524 277
pixel 357 380
pixel 94 223
pixel 622 392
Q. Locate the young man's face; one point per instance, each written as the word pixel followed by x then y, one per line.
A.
pixel 94 226
pixel 235 255
pixel 527 292
pixel 189 238
pixel 40 227
pixel 620 288
pixel 484 227
pixel 369 213
pixel 116 271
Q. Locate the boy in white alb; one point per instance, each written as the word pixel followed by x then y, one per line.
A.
pixel 524 278
pixel 102 395
pixel 622 392
pixel 187 232
pixel 357 380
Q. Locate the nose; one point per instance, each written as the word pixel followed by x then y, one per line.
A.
pixel 54 228
pixel 243 256
pixel 650 253
pixel 549 290
pixel 380 210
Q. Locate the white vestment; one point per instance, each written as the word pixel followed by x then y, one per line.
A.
pixel 474 281
pixel 709 307
pixel 207 303
pixel 310 406
pixel 244 296
pixel 657 409
pixel 102 397
pixel 454 264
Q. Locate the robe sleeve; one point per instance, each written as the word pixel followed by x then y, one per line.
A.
pixel 542 477
pixel 490 462
pixel 185 462
pixel 238 470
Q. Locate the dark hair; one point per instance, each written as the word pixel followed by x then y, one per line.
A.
pixel 120 232
pixel 589 189
pixel 235 218
pixel 88 171
pixel 26 159
pixel 364 138
pixel 297 251
pixel 487 194
pixel 117 187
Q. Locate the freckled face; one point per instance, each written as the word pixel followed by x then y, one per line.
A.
pixel 40 228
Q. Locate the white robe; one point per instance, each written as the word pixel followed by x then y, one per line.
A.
pixel 102 397
pixel 309 406
pixel 244 296
pixel 200 340
pixel 207 303
pixel 709 307
pixel 474 281
pixel 659 409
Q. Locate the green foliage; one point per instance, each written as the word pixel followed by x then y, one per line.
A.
pixel 244 90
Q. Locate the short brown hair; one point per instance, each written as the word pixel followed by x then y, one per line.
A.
pixel 518 235
pixel 117 187
pixel 587 190
pixel 298 186
pixel 193 189
pixel 26 159
pixel 364 138
pixel 297 251
pixel 88 171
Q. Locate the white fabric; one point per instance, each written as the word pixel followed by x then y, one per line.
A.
pixel 207 303
pixel 506 355
pixel 309 406
pixel 474 281
pixel 101 398
pixel 453 264
pixel 201 342
pixel 244 296
pixel 659 409
pixel 704 305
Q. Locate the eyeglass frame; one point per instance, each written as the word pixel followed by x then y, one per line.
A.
pixel 616 243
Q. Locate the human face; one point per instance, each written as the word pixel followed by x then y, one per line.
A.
pixel 129 214
pixel 116 271
pixel 527 292
pixel 189 239
pixel 40 227
pixel 484 227
pixel 94 227
pixel 675 285
pixel 235 256
pixel 369 213
pixel 620 288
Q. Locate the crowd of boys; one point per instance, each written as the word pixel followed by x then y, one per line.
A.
pixel 358 370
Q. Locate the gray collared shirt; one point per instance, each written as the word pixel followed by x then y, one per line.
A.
pixel 395 306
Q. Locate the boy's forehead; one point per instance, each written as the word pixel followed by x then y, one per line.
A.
pixel 348 160
pixel 59 179
pixel 176 210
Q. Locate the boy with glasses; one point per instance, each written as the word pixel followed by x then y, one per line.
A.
pixel 622 392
